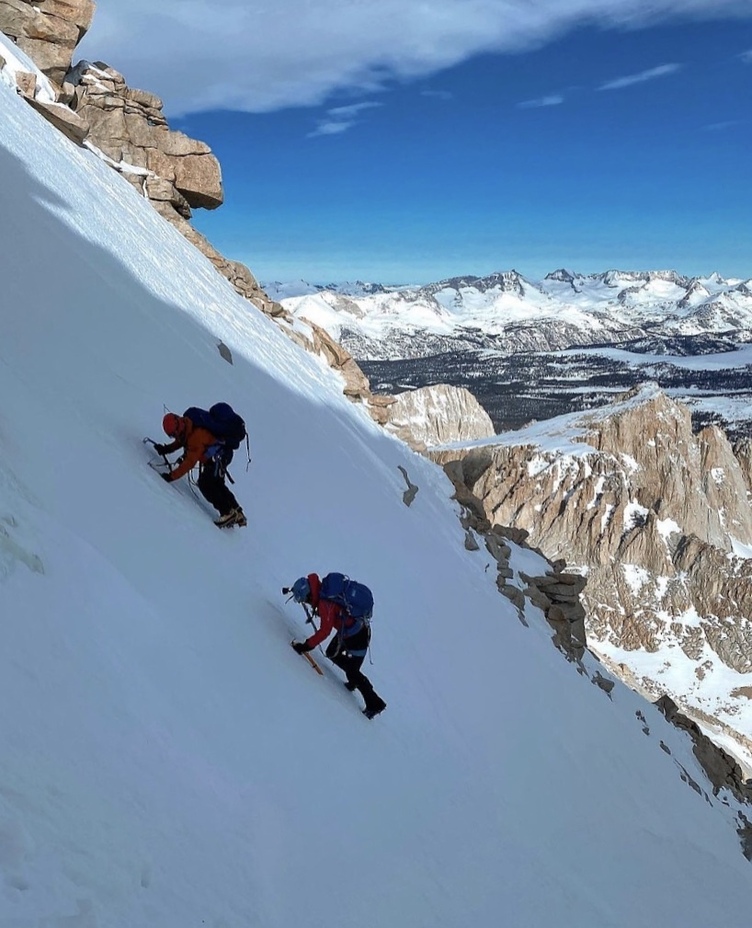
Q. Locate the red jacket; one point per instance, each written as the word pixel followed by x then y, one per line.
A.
pixel 331 614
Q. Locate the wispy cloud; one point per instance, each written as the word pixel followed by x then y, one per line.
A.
pixel 261 57
pixel 329 127
pixel 438 94
pixel 340 118
pixel 720 126
pixel 650 75
pixel 747 56
pixel 352 110
pixel 553 99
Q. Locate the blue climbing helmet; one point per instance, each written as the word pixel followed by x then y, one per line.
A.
pixel 301 590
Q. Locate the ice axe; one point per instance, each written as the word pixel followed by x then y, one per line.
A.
pixel 155 464
pixel 309 618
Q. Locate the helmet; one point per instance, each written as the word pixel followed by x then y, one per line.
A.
pixel 301 590
pixel 172 425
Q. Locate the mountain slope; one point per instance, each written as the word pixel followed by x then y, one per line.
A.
pixel 167 759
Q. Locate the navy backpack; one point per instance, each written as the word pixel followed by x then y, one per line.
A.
pixel 355 598
pixel 224 424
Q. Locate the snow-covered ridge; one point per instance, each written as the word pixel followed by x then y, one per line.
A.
pixel 565 308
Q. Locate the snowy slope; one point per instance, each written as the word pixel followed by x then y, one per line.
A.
pixel 167 759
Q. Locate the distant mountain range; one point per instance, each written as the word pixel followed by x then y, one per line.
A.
pixel 532 349
pixel 507 312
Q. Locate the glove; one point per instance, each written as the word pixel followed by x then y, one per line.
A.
pixel 160 449
pixel 302 647
pixel 166 477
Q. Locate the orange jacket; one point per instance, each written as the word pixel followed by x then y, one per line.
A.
pixel 196 442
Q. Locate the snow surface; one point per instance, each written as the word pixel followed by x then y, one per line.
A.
pixel 167 760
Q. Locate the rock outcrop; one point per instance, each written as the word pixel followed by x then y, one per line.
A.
pixel 555 593
pixel 438 415
pixel 743 453
pixel 48 31
pixel 61 117
pixel 130 128
pixel 356 382
pixel 722 770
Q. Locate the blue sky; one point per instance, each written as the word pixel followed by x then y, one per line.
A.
pixel 586 144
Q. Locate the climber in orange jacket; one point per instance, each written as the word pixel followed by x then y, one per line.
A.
pixel 200 447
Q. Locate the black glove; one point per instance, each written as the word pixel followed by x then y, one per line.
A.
pixel 302 647
pixel 160 449
pixel 166 477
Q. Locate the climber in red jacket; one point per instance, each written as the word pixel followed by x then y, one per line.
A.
pixel 349 646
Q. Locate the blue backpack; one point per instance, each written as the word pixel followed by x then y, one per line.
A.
pixel 224 424
pixel 355 598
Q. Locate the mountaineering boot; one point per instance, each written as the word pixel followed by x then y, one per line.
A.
pixel 240 519
pixel 372 711
pixel 230 518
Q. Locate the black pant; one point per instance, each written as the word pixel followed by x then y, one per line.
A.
pixel 211 482
pixel 338 653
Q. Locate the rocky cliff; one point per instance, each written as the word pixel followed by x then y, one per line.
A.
pixel 654 516
pixel 438 415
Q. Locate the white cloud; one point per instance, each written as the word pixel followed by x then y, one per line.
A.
pixel 340 118
pixel 258 57
pixel 551 100
pixel 649 75
pixel 329 127
pixel 721 126
pixel 349 112
pixel 747 56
